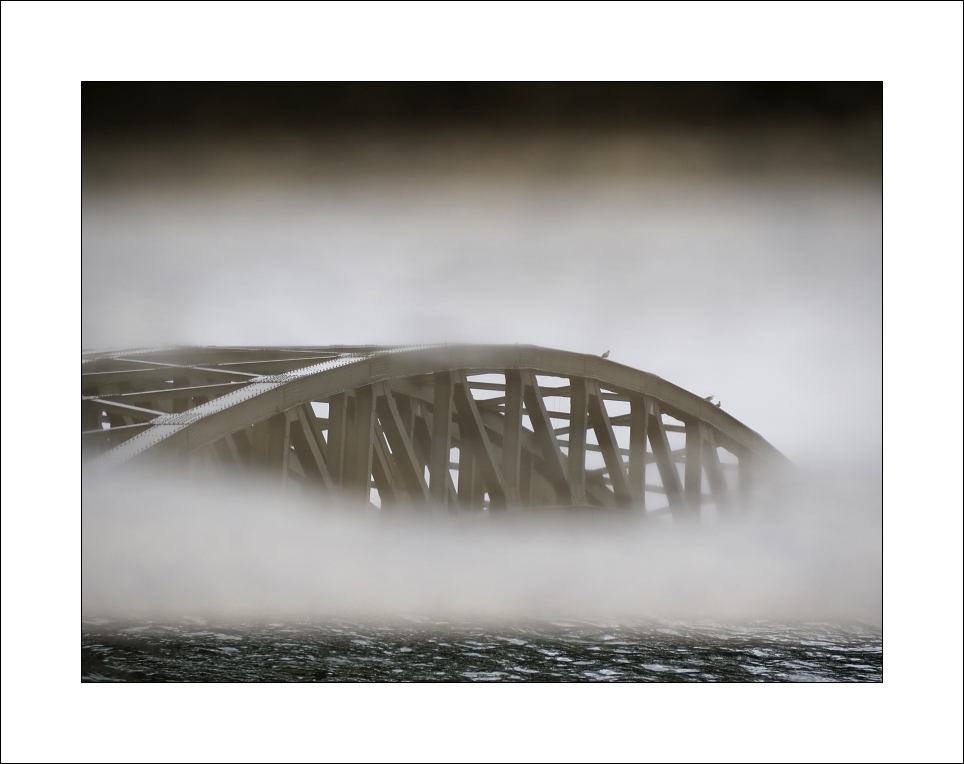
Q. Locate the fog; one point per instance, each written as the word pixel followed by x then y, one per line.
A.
pixel 154 546
pixel 762 291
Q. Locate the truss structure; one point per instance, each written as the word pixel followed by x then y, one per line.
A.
pixel 465 427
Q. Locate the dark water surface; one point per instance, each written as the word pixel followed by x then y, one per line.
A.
pixel 418 650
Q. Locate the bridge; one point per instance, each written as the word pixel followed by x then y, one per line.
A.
pixel 468 428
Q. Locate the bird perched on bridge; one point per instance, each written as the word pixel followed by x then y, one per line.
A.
pixel 708 398
pixel 719 403
pixel 606 354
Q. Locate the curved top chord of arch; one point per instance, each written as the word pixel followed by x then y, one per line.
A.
pixel 470 427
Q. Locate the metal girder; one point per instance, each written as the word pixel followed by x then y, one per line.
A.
pixel 512 435
pixel 546 438
pixel 138 413
pixel 664 462
pixel 441 442
pixel 403 453
pixel 576 462
pixel 714 474
pixel 693 470
pixel 599 419
pixel 358 462
pixel 308 445
pixel 640 412
pixel 474 437
pixel 337 429
pixel 395 414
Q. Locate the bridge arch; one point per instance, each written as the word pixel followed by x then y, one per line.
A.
pixel 467 427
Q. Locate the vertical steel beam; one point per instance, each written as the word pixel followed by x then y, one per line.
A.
pixel 665 463
pixel 745 479
pixel 525 478
pixel 424 426
pixel 512 435
pixel 259 446
pixel 714 474
pixel 467 478
pixel 337 429
pixel 578 407
pixel 421 437
pixel 279 447
pixel 693 470
pixel 358 464
pixel 638 421
pixel 441 418
pixel 270 447
pixel 410 411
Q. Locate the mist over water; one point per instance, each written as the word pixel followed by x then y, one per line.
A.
pixel 154 547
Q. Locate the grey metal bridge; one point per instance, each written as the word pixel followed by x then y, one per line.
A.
pixel 465 427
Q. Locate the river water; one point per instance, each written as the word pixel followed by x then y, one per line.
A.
pixel 423 650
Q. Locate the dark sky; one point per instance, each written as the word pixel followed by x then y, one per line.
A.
pixel 182 109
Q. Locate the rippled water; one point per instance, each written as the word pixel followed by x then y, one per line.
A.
pixel 194 650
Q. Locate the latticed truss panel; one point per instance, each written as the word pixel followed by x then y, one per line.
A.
pixel 465 428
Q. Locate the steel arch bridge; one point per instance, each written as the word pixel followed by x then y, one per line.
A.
pixel 466 427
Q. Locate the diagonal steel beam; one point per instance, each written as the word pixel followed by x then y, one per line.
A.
pixel 714 474
pixel 474 436
pixel 383 470
pixel 599 419
pixel 403 454
pixel 578 408
pixel 305 440
pixel 664 462
pixel 546 439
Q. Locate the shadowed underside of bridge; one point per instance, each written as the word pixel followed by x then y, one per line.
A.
pixel 466 427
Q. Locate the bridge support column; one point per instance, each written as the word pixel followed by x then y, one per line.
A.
pixel 358 464
pixel 512 436
pixel 410 473
pixel 693 474
pixel 337 429
pixel 310 447
pixel 272 439
pixel 472 436
pixel 714 474
pixel 546 439
pixel 441 444
pixel 638 422
pixel 664 462
pixel 578 403
pixel 602 426
pixel 745 479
